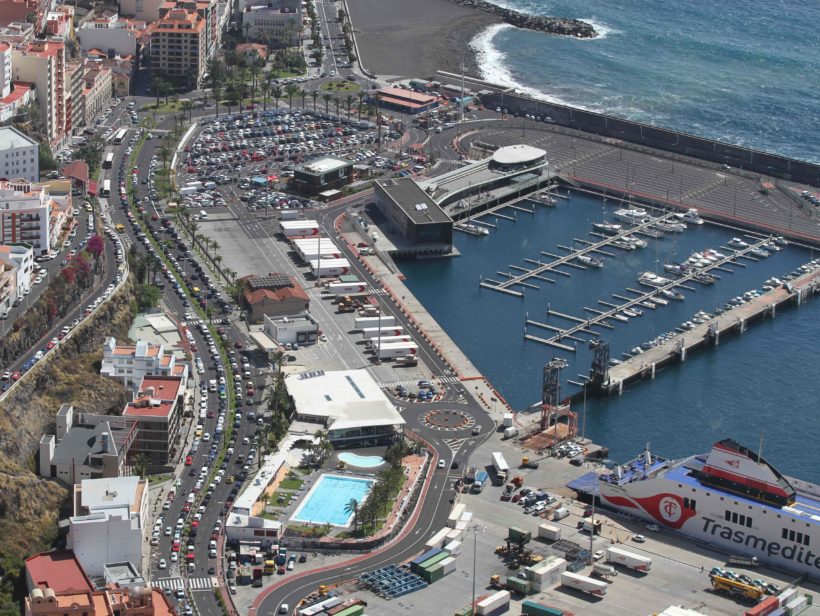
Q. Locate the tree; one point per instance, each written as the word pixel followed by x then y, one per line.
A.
pixel 277 93
pixel 95 246
pixel 303 93
pixel 140 464
pixel 352 508
pixel 337 102
pixel 291 90
pixel 147 296
pixel 266 88
pixel 349 103
pixel 91 153
pixel 314 94
pixel 360 96
pixel 327 97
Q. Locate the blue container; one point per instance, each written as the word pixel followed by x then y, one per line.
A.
pixel 426 556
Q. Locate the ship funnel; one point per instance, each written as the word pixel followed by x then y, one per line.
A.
pixel 648 456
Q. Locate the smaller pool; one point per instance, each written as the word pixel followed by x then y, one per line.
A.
pixel 361 461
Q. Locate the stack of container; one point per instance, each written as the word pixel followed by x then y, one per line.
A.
pixel 454 547
pixel 437 540
pixel 546 574
pixel 494 604
pixel 435 567
pixel 518 585
pixel 518 535
pixel 353 607
pixel 455 514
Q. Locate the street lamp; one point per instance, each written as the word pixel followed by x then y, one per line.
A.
pixel 476 529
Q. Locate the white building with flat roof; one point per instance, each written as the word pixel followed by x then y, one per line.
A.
pixel 252 529
pixel 22 256
pixel 109 522
pixel 349 404
pixel 130 363
pixel 299 328
pixel 18 155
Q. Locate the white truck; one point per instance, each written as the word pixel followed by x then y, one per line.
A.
pixel 583 583
pixel 324 268
pixel 382 321
pixel 343 288
pixel 374 342
pixel 395 350
pixel 502 469
pixel 300 228
pixel 628 559
pixel 510 432
pixel 493 604
pixel 372 333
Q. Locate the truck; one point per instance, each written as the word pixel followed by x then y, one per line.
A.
pixel 257 577
pixel 480 481
pixel 493 603
pixel 469 474
pixel 289 214
pixel 378 321
pixel 326 268
pixel 187 190
pixel 300 228
pixel 407 360
pixel 603 569
pixel 628 559
pixel 501 467
pixel 393 350
pixel 372 343
pixel 743 561
pixel 510 432
pixel 384 331
pixel 343 288
pixel 588 526
pixel 726 586
pixel 549 532
pixel 583 583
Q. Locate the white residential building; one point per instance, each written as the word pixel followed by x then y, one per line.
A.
pixel 29 214
pixel 5 70
pixel 108 524
pixel 146 10
pixel 22 256
pixel 114 36
pixel 132 363
pixel 19 155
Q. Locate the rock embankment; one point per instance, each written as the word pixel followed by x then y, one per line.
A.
pixel 551 25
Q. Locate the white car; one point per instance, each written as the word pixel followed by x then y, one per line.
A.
pixel 442 463
pixel 162 564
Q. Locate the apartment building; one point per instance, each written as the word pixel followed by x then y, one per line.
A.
pixel 179 44
pixel 8 285
pixel 109 520
pixel 29 214
pixel 131 363
pixel 157 411
pixel 275 24
pixel 17 33
pixel 19 155
pixel 21 256
pixel 96 91
pixel 145 10
pixel 60 21
pixel 42 64
pixel 112 35
pixel 75 101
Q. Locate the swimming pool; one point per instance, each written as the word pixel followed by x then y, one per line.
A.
pixel 361 461
pixel 325 502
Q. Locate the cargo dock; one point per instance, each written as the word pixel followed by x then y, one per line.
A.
pixel 709 333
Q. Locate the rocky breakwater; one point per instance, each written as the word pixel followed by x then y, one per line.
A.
pixel 551 25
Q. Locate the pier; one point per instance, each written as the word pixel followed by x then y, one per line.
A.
pixel 733 321
pixel 568 260
pixel 601 318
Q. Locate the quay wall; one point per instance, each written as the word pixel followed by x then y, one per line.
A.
pixel 646 135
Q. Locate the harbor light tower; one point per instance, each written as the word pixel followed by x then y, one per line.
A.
pixel 551 389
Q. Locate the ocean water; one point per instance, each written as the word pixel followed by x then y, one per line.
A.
pixel 767 380
pixel 745 71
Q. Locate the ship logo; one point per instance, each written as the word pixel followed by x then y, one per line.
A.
pixel 669 509
pixel 733 463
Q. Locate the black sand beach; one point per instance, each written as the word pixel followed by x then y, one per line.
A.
pixel 414 38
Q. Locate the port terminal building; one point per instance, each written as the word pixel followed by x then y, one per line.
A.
pixel 349 404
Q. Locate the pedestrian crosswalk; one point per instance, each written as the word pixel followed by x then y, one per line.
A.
pixel 177 583
pixel 160 131
pixel 444 380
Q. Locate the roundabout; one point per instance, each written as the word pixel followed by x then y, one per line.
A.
pixel 448 420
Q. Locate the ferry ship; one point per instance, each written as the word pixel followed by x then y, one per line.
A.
pixel 731 498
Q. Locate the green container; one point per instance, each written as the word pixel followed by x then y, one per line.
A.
pixel 433 574
pixel 434 561
pixel 517 535
pixel 465 611
pixel 353 610
pixel 518 585
pixel 531 608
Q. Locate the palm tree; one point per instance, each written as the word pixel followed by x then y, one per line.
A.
pixel 352 508
pixel 337 101
pixel 266 88
pixel 303 93
pixel 327 97
pixel 314 94
pixel 254 74
pixel 349 102
pixel 140 464
pixel 360 96
pixel 277 94
pixel 291 90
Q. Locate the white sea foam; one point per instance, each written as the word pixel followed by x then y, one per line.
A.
pixel 601 28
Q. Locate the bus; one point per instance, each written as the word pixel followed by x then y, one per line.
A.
pixel 118 138
pixel 109 160
pixel 106 189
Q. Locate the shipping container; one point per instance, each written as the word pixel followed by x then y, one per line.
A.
pixel 510 432
pixel 455 514
pixel 454 535
pixel 583 583
pixel 765 607
pixel 394 350
pixel 493 603
pixel 329 267
pixel 628 559
pixel 516 584
pixel 320 607
pixel 373 343
pixel 796 606
pixel 379 321
pixel 432 562
pixel 425 556
pixel 437 540
pixel 519 535
pixel 433 574
pixel 323 254
pixel 508 420
pixel 786 596
pixel 531 608
pixel 370 333
pixel 353 610
pixel 448 565
pixel 454 547
pixel 547 573
pixel 466 517
pixel 549 532
pixel 289 214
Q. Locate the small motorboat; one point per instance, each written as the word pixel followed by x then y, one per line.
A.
pixel 736 242
pixel 589 261
pixel 673 294
pixel 607 228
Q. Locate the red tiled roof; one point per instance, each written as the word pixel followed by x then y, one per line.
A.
pixel 58 570
pixel 398 101
pixel 77 170
pixel 292 292
pixel 137 409
pixel 409 95
pixel 165 387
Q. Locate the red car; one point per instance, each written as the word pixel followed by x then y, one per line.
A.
pixel 51 344
pixel 195 524
pixel 186 508
pixel 237 344
pixel 15 376
pixel 189 460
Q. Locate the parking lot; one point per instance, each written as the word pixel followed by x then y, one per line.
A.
pixel 679 573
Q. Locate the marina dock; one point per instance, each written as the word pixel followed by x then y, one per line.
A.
pixel 522 280
pixel 735 320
